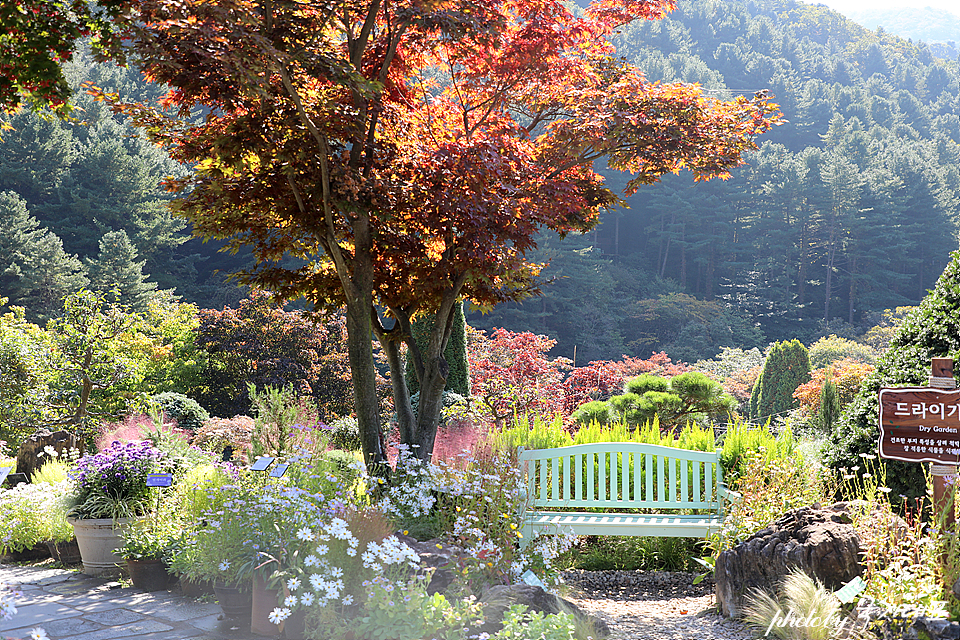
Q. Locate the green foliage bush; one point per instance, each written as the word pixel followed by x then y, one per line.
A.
pixel 743 439
pixel 186 411
pixel 929 330
pixel 642 384
pixel 539 435
pixel 828 350
pixel 345 434
pixel 593 411
pixel 787 367
pixel 684 397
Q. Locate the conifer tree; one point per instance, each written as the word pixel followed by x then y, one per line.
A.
pixel 116 272
pixel 829 409
pixel 787 366
pixel 458 380
pixel 35 272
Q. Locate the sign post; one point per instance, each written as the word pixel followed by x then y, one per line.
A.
pixel 922 424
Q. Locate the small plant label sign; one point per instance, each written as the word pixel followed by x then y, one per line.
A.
pixel 279 470
pixel 849 592
pixel 4 472
pixel 159 479
pixel 262 463
pixel 531 579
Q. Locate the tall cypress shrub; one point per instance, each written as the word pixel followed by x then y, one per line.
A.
pixel 787 367
pixel 829 405
pixel 931 330
pixel 455 354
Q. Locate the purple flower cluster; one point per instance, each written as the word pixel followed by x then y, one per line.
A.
pixel 118 472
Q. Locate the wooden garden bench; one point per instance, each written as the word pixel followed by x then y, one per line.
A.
pixel 623 489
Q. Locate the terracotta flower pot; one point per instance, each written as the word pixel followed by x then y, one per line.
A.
pixel 65 552
pixel 195 588
pixel 97 538
pixel 38 551
pixel 148 575
pixel 264 601
pixel 235 602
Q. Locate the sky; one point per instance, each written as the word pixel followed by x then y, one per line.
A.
pixel 846 6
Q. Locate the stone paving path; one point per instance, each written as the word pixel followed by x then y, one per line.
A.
pixel 72 606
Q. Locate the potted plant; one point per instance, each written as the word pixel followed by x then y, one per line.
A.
pixel 221 545
pixel 21 523
pixel 55 488
pixel 110 490
pixel 147 546
pixel 57 533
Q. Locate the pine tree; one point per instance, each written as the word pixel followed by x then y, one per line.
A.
pixel 35 272
pixel 787 367
pixel 117 273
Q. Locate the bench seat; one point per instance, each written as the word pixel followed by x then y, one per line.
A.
pixel 622 489
pixel 623 524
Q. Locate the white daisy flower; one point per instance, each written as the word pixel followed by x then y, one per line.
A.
pixel 278 615
pixel 305 534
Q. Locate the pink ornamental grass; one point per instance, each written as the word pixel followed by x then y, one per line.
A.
pixel 135 427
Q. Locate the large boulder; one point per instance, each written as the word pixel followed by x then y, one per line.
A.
pixel 905 623
pixel 435 554
pixel 498 599
pixel 32 452
pixel 820 541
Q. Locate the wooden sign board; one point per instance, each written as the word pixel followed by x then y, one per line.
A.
pixel 920 425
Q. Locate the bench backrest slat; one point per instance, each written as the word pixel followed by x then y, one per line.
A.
pixel 621 475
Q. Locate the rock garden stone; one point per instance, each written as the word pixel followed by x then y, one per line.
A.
pixel 820 541
pixel 498 599
pixel 434 554
pixel 31 454
pixel 907 623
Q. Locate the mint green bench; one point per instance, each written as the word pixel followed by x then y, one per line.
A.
pixel 622 489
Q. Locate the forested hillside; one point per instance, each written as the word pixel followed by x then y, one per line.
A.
pixel 932 25
pixel 81 204
pixel 848 209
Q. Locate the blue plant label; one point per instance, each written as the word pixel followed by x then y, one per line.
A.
pixel 531 579
pixel 279 470
pixel 159 479
pixel 4 472
pixel 850 591
pixel 262 463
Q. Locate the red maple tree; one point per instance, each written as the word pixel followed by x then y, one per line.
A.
pixel 510 374
pixel 407 152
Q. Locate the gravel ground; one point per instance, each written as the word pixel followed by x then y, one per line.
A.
pixel 652 605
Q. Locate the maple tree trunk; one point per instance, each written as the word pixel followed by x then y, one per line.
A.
pixel 364 374
pixel 401 392
pixel 358 287
pixel 433 380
